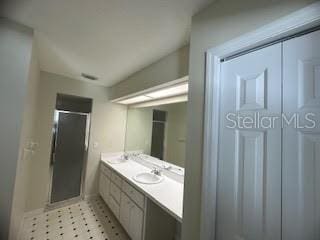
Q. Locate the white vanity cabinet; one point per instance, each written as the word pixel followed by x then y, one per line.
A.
pixel 125 202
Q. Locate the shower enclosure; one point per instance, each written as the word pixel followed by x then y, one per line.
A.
pixel 68 155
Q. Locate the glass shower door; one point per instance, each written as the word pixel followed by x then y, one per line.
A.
pixel 69 152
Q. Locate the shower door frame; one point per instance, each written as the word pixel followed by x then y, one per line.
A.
pixel 55 128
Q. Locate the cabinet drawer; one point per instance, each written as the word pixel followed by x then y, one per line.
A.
pixel 114 206
pixel 134 194
pixel 116 179
pixel 105 170
pixel 115 192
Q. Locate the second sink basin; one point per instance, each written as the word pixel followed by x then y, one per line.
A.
pixel 148 178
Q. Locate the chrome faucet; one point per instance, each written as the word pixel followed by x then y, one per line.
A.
pixel 125 156
pixel 156 171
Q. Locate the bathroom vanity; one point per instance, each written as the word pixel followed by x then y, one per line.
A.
pixel 149 206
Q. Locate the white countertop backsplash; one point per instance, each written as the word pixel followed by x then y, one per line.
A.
pixel 168 194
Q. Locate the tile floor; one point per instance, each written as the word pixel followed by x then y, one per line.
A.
pixel 81 221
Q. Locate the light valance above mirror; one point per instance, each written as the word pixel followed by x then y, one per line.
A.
pixel 172 92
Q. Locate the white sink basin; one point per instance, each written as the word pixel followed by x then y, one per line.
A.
pixel 148 178
pixel 115 160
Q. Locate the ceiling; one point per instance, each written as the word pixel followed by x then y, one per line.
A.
pixel 110 39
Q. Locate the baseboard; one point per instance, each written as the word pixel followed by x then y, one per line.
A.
pixel 42 210
pixel 33 213
pixel 90 197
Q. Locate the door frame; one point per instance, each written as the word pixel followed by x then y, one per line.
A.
pixel 299 21
pixel 50 205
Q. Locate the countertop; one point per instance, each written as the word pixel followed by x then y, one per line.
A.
pixel 167 194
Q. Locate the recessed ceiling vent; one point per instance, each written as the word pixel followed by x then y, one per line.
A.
pixel 89 77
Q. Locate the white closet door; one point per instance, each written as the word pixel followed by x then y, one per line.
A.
pixel 301 147
pixel 249 164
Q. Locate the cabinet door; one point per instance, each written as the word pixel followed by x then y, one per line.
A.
pixel 114 206
pixel 102 185
pixel 106 189
pixel 136 222
pixel 249 161
pixel 301 141
pixel 115 192
pixel 125 207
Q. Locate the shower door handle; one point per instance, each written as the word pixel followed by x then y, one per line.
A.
pixel 54 145
pixel 52 160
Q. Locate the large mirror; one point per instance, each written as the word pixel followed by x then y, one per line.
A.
pixel 158 131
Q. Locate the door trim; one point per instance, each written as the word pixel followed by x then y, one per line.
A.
pixel 50 205
pixel 299 21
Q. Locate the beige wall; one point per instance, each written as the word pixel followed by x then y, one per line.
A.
pixel 218 23
pixel 169 68
pixel 108 122
pixel 27 137
pixel 15 55
pixel 139 130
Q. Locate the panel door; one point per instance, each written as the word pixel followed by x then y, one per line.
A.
pixel 249 164
pixel 301 139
